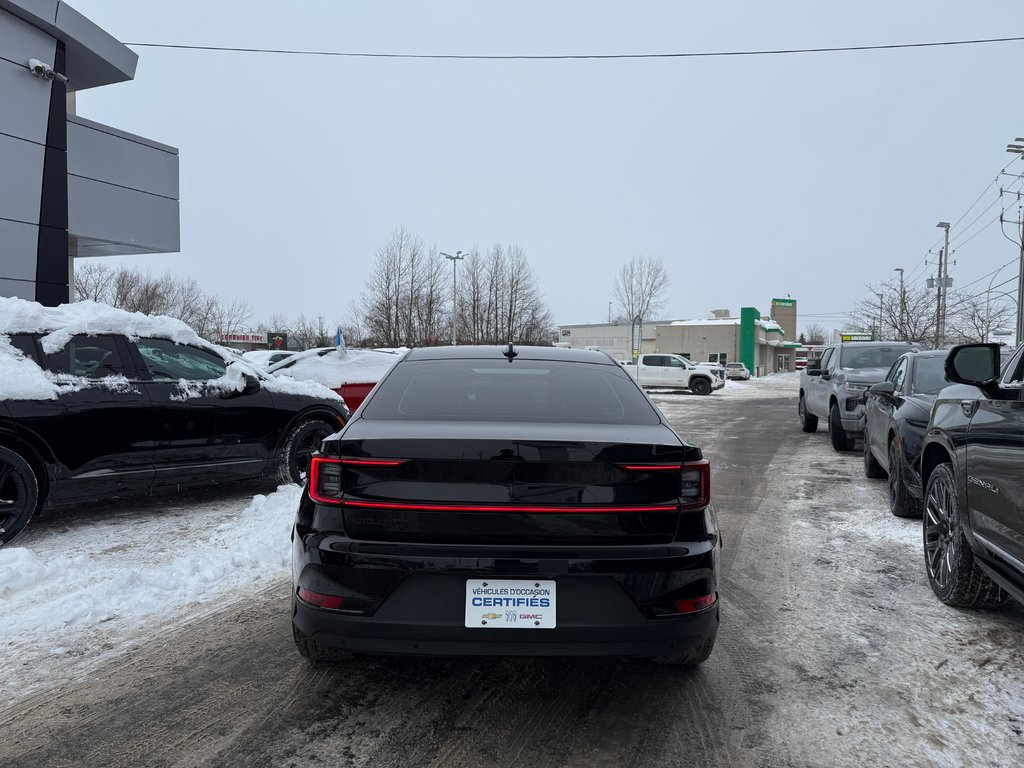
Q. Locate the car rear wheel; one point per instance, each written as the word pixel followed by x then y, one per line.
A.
pixel 871 466
pixel 316 652
pixel 700 386
pixel 901 503
pixel 808 422
pixel 19 494
pixel 840 440
pixel 953 574
pixel 299 446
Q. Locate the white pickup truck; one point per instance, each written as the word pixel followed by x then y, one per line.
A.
pixel 662 371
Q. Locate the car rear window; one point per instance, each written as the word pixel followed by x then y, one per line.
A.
pixel 869 357
pixel 524 390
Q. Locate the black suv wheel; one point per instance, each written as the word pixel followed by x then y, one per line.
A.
pixel 19 494
pixel 954 576
pixel 901 503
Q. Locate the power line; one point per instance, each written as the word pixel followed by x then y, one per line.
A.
pixel 571 56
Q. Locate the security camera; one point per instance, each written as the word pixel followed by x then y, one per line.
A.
pixel 45 71
pixel 40 69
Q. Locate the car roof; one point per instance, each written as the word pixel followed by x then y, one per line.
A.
pixel 490 352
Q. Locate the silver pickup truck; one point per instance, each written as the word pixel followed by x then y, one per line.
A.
pixel 661 371
pixel 835 388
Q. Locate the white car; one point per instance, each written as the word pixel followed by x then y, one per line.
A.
pixel 737 371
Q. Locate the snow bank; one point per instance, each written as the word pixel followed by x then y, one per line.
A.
pixel 337 367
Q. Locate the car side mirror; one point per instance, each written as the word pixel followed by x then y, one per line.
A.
pixel 814 371
pixel 252 384
pixel 883 388
pixel 976 364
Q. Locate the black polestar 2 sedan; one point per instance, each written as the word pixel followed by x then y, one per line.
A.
pixel 527 501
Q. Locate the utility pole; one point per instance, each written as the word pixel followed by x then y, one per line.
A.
pixel 940 304
pixel 459 256
pixel 1017 148
pixel 880 311
pixel 903 305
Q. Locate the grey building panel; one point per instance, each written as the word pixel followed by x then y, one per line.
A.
pixel 31 94
pixel 103 154
pixel 138 221
pixel 94 57
pixel 20 191
pixel 18 289
pixel 20 41
pixel 18 251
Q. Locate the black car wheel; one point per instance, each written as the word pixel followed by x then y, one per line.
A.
pixel 808 423
pixel 901 503
pixel 299 446
pixel 700 386
pixel 871 466
pixel 954 576
pixel 19 494
pixel 840 441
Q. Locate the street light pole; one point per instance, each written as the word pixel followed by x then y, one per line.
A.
pixel 940 308
pixel 903 304
pixel 459 256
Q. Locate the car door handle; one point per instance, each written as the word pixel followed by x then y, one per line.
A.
pixel 968 407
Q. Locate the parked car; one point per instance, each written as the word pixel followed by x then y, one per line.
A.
pixel 265 358
pixel 518 501
pixel 352 373
pixel 834 387
pixel 974 488
pixel 661 371
pixel 96 402
pixel 895 418
pixel 737 371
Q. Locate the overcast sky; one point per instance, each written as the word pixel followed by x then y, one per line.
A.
pixel 751 177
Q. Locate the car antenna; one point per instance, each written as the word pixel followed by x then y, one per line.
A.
pixel 510 352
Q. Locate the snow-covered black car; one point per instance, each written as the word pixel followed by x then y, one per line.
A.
pixel 96 402
pixel 974 487
pixel 517 501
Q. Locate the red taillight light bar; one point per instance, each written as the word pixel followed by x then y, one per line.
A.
pixel 695 484
pixel 325 475
pixel 694 480
pixel 383 463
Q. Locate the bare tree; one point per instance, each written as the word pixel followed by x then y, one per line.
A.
pixel 641 288
pixel 972 318
pixel 93 281
pixel 889 316
pixel 135 291
pixel 815 333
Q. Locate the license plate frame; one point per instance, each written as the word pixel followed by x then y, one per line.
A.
pixel 511 604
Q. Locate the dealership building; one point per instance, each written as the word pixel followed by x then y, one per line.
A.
pixel 764 343
pixel 71 187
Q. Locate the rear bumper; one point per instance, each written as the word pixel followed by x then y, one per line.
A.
pixel 412 600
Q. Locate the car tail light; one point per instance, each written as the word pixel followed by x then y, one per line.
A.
pixel 331 602
pixel 651 467
pixel 694 604
pixel 695 484
pixel 325 475
pixel 325 480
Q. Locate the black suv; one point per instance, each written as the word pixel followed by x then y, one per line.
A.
pixel 974 488
pixel 107 415
pixel 526 501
